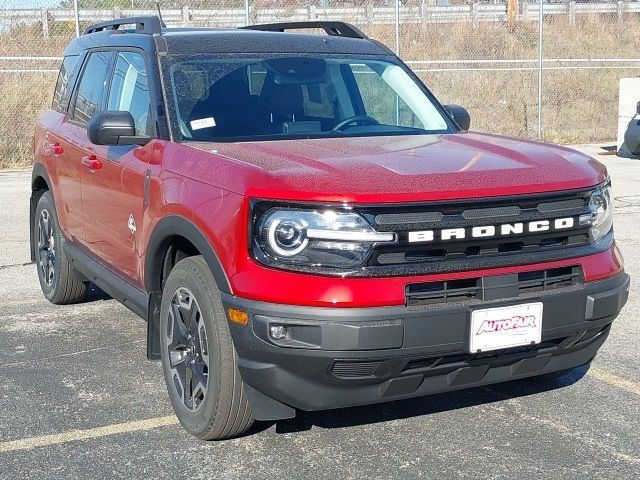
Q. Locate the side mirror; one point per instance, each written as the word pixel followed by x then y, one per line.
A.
pixel 459 115
pixel 114 128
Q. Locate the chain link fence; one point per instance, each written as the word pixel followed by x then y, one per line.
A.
pixel 482 55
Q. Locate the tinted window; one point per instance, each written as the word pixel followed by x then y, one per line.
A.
pixel 60 95
pixel 92 85
pixel 130 89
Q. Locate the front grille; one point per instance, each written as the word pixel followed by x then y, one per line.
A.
pixel 346 370
pixel 470 289
pixel 543 280
pixel 458 254
pixel 442 292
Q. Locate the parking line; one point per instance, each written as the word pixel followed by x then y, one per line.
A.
pixel 74 435
pixel 615 380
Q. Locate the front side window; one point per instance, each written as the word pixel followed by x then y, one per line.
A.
pixel 130 89
pixel 217 99
pixel 92 86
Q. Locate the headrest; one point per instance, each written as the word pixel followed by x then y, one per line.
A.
pixel 231 92
pixel 286 99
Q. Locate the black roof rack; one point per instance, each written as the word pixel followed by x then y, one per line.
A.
pixel 340 29
pixel 149 25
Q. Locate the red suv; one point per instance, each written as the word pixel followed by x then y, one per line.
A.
pixel 304 226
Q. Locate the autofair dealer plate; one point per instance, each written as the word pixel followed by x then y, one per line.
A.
pixel 505 327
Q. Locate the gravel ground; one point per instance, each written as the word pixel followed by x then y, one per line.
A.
pixel 79 399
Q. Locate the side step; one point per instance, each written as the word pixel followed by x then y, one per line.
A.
pixel 129 295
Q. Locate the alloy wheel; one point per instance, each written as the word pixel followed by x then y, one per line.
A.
pixel 188 351
pixel 46 247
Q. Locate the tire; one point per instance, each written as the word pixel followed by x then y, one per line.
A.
pixel 55 273
pixel 214 405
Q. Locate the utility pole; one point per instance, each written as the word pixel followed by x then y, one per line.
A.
pixel 540 55
pixel 512 8
pixel 77 15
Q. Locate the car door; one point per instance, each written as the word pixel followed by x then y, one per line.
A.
pixel 87 99
pixel 112 195
pixel 60 156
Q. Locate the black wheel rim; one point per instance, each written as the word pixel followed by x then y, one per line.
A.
pixel 46 247
pixel 188 351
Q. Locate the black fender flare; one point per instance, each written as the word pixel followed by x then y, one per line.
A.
pixel 39 171
pixel 176 225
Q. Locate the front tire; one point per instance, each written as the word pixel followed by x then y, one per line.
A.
pixel 198 356
pixel 57 278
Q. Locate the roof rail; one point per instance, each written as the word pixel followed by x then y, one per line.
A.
pixel 339 29
pixel 149 25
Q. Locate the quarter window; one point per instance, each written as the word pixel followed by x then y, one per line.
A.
pixel 130 89
pixel 60 95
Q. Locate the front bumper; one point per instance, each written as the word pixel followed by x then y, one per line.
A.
pixel 341 357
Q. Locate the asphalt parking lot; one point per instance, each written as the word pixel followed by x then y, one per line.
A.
pixel 79 399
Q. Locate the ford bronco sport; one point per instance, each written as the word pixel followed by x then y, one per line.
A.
pixel 304 226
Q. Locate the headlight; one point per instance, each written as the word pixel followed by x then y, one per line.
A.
pixel 600 218
pixel 315 238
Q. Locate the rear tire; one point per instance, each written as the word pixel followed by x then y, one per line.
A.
pixel 198 356
pixel 57 278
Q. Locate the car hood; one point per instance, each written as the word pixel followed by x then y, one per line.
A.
pixel 392 168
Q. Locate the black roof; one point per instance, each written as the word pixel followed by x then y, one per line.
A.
pixel 253 41
pixel 151 35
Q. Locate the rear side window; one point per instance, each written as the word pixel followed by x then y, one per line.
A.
pixel 129 89
pixel 61 93
pixel 92 86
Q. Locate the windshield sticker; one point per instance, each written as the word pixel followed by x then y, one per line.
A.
pixel 203 123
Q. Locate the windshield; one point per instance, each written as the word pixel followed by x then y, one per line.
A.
pixel 284 97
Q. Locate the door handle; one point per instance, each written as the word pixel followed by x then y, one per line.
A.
pixel 92 162
pixel 49 148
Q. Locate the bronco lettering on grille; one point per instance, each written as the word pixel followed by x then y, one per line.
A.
pixel 490 231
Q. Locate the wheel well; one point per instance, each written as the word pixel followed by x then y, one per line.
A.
pixel 38 186
pixel 173 239
pixel 170 252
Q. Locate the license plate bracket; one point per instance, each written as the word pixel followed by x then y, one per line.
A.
pixel 503 327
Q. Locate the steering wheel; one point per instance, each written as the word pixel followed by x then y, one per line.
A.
pixel 366 119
